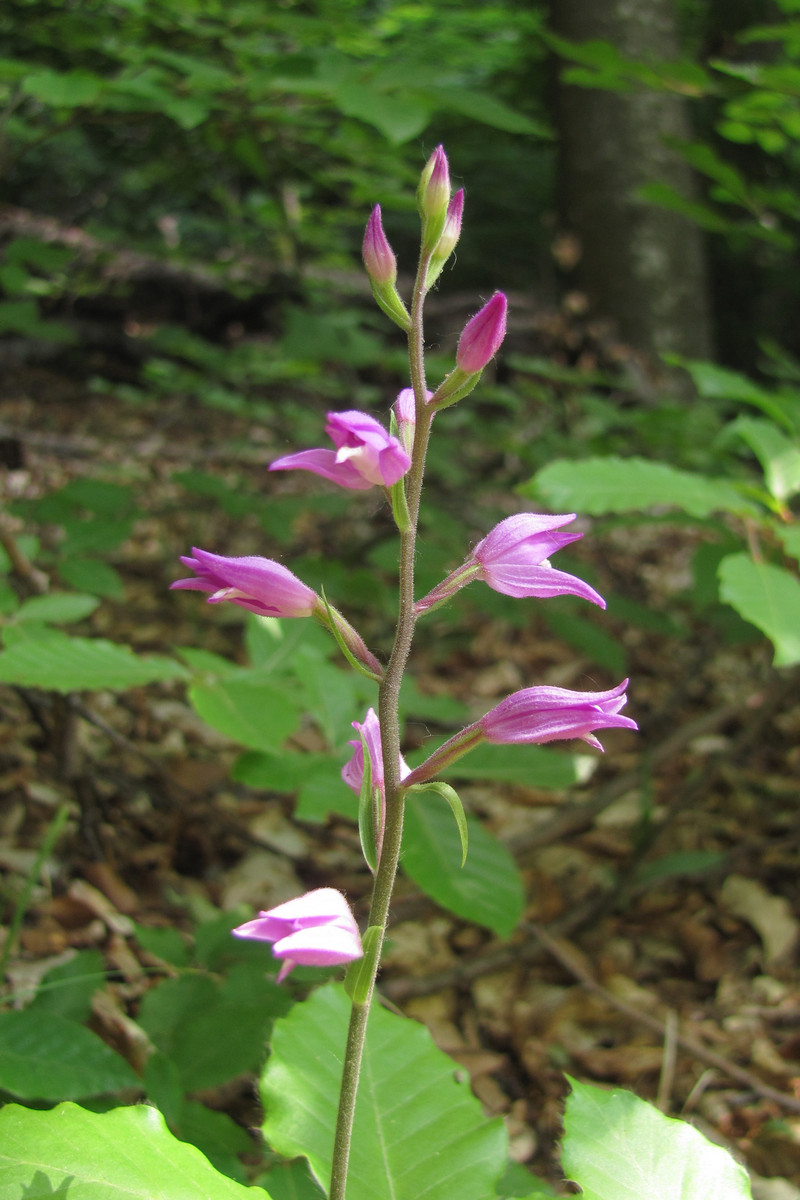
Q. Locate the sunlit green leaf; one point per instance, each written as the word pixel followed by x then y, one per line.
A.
pixel 617 1147
pixel 124 1154
pixel 410 1095
pixel 768 597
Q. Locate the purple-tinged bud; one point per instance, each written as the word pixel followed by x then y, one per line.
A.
pixel 378 255
pixel 433 198
pixel 452 227
pixel 433 193
pixel 381 267
pixel 404 412
pixel 449 239
pixel 482 336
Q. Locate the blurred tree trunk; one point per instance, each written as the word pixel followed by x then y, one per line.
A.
pixel 640 265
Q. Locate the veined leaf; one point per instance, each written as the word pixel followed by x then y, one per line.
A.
pixel 487 889
pixel 614 485
pixel 617 1147
pixel 419 1132
pixel 72 664
pixel 124 1154
pixel 48 1057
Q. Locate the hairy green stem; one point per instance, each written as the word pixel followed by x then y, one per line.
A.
pixel 388 715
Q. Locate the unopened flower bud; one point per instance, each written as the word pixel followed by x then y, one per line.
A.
pixel 378 255
pixel 381 267
pixel 433 193
pixel 483 335
pixel 449 239
pixel 452 226
pixel 433 198
pixel 404 412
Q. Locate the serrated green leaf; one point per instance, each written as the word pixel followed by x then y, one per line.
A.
pixel 60 608
pixel 768 597
pixel 613 485
pixel 410 1095
pixel 72 664
pixel 617 1147
pixel 48 1057
pixel 124 1154
pixel 257 713
pixel 487 890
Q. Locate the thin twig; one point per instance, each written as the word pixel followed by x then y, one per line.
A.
pixel 696 1049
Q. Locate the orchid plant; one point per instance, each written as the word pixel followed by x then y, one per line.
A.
pixel 513 558
pixel 405 1125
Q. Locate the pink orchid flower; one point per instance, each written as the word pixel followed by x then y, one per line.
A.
pixel 365 454
pixel 514 559
pixel 314 930
pixel 258 584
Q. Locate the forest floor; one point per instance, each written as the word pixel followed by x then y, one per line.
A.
pixel 660 941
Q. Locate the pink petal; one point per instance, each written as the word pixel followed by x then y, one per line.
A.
pixel 323 462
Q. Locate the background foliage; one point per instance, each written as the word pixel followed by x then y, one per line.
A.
pixel 184 194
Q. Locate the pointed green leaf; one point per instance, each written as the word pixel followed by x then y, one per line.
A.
pixel 613 485
pixel 49 1057
pixel 419 1132
pixel 487 890
pixel 124 1154
pixel 60 608
pixel 61 663
pixel 452 797
pixel 617 1147
pixel 769 598
pixel 778 455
